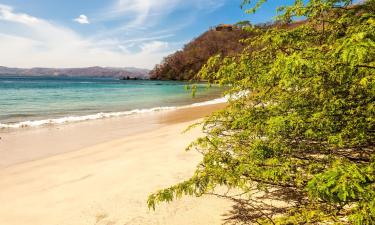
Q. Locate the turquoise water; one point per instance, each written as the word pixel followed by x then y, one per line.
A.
pixel 40 98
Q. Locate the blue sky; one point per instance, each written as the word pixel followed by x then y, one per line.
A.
pixel 116 33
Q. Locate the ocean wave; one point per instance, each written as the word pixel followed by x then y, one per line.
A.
pixel 70 119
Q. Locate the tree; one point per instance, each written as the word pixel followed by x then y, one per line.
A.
pixel 301 120
pixel 243 24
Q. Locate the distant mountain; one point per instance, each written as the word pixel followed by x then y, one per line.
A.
pixel 127 72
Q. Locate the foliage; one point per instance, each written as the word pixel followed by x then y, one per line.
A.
pixel 302 119
pixel 186 63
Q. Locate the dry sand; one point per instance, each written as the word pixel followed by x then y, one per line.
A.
pixel 101 172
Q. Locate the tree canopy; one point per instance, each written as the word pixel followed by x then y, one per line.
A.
pixel 301 122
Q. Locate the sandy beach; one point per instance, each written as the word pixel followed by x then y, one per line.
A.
pixel 101 172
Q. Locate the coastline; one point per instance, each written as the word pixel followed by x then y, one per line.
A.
pixel 9 127
pixel 28 144
pixel 101 172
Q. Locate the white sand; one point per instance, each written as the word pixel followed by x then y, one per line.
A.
pixel 104 183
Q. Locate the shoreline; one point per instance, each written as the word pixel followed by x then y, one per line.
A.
pixel 9 127
pixel 108 182
pixel 29 144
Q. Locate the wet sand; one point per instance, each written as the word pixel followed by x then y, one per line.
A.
pixel 28 144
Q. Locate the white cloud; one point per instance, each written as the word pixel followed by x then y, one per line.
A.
pixel 28 41
pixel 7 15
pixel 146 13
pixel 35 42
pixel 141 10
pixel 154 46
pixel 82 19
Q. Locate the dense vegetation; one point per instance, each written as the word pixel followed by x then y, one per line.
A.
pixel 186 63
pixel 301 125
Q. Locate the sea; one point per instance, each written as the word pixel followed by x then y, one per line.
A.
pixel 32 101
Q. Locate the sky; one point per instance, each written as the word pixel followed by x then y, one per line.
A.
pixel 109 33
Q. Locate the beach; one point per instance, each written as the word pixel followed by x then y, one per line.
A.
pixel 102 171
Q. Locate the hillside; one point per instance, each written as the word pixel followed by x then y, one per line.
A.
pixel 82 72
pixel 184 64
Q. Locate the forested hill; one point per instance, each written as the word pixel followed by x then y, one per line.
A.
pixel 223 39
pixel 184 64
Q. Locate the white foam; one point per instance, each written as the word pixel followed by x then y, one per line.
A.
pixel 69 119
pixel 211 102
